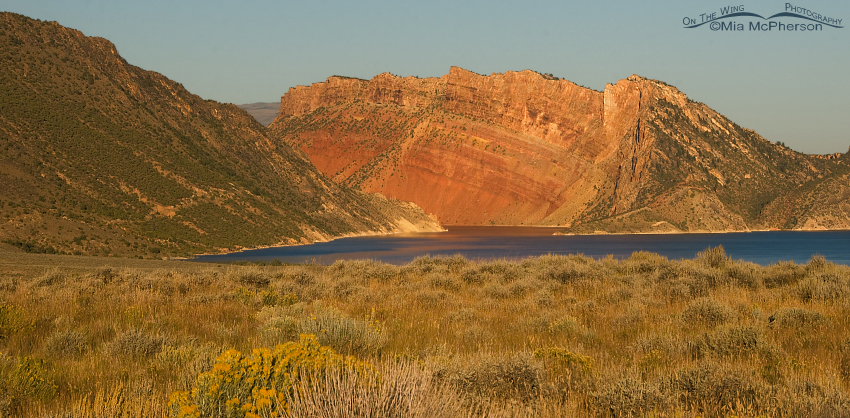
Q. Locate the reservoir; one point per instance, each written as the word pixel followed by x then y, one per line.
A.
pixel 512 243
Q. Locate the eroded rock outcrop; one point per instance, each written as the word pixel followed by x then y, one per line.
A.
pixel 526 148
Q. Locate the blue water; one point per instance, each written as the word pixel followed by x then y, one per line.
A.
pixel 494 242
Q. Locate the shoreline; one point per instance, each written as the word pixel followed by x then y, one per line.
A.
pixel 747 231
pixel 334 238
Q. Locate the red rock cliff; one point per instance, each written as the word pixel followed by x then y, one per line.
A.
pixel 524 148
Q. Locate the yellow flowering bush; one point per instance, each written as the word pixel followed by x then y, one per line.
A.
pixel 239 386
pixel 11 320
pixel 23 380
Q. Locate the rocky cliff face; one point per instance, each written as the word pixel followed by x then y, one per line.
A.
pixel 524 148
pixel 382 89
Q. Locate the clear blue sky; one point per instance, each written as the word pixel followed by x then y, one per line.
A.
pixel 788 86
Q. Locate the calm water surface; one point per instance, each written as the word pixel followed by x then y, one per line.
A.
pixel 495 242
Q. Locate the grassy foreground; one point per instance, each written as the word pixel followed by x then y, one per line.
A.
pixel 439 337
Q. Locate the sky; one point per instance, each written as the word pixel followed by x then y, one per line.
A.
pixel 792 87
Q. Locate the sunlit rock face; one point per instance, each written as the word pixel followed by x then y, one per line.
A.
pixel 523 148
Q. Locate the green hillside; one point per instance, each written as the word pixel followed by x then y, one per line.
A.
pixel 98 156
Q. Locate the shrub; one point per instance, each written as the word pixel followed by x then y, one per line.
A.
pixel 105 275
pixel 732 342
pixel 241 386
pixel 684 288
pixel 185 362
pixel 51 277
pixel 651 362
pixel 249 276
pixel 475 335
pixel 704 276
pixel 135 343
pixel 361 271
pixel 8 284
pixel 630 318
pixel 690 279
pixel 244 295
pixel 619 295
pixel 66 343
pixel 288 299
pixel 300 276
pixel 570 327
pixel 816 263
pixel 523 287
pixel 544 298
pixel 823 286
pixel 344 288
pixel 342 333
pixel 427 263
pixel 810 399
pixel 570 271
pixel 509 377
pixel 455 263
pixel 707 312
pixel 422 265
pixel 503 270
pixel 796 318
pixel 443 281
pixel 716 391
pixel 279 324
pixel 495 290
pixel 564 368
pixel 665 344
pixel 269 297
pixel 566 324
pixel 471 275
pixel 782 274
pixel 642 262
pixel 627 397
pixel 463 315
pixel 713 257
pixel 279 330
pixel 433 299
pixel 745 274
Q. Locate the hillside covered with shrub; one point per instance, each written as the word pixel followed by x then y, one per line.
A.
pixel 98 156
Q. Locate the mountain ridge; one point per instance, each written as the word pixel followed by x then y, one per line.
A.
pixel 526 148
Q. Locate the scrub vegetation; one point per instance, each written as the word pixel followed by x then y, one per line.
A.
pixel 438 337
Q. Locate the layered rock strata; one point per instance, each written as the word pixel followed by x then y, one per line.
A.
pixel 522 148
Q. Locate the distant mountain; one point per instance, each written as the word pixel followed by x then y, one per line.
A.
pixel 527 148
pixel 98 156
pixel 262 112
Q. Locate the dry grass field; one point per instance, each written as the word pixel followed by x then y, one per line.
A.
pixel 440 337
